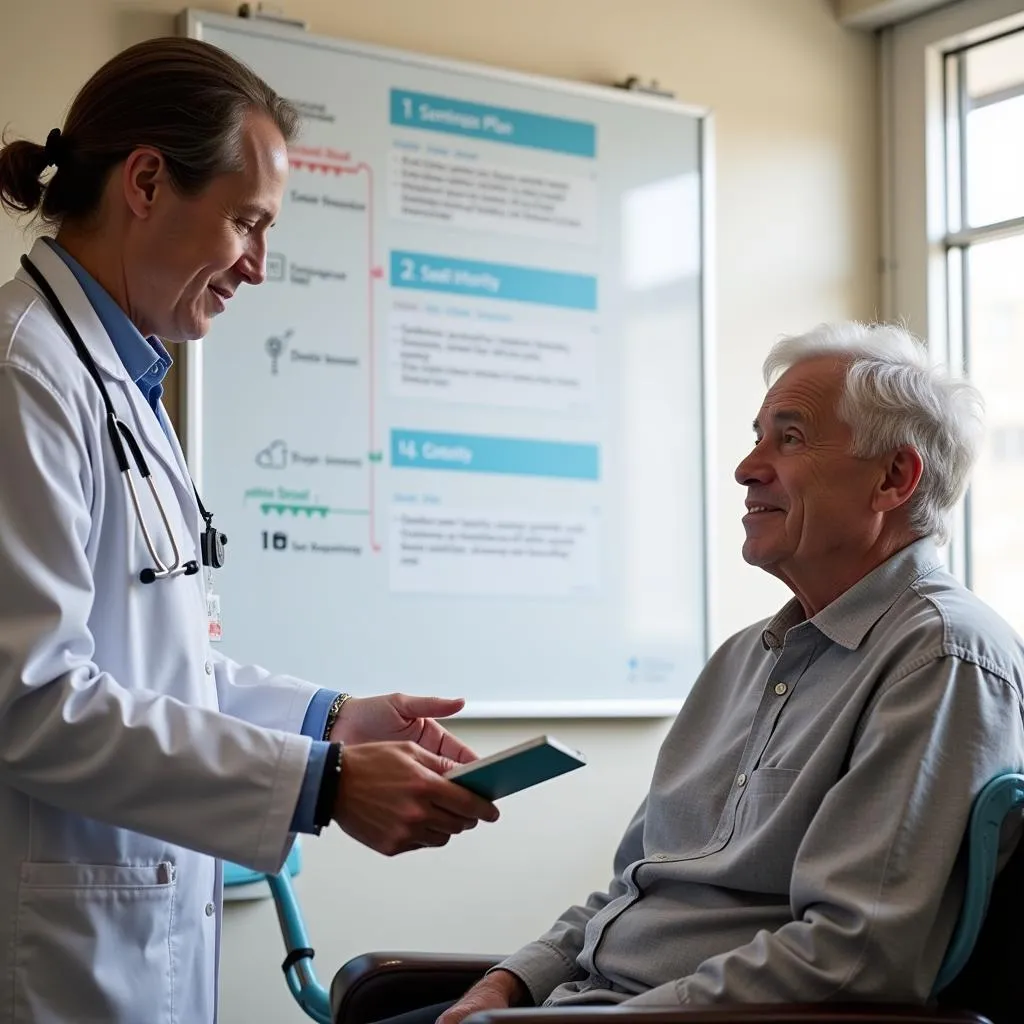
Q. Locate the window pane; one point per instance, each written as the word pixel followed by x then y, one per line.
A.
pixel 994 132
pixel 995 271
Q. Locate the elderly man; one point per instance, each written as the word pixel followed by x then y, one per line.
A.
pixel 799 841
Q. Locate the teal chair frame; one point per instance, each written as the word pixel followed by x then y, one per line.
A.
pixel 298 970
pixel 1000 798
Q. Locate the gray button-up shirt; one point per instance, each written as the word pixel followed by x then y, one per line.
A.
pixel 801 835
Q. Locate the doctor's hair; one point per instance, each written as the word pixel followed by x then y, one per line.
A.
pixel 183 97
pixel 894 396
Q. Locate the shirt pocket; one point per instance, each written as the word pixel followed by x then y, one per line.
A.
pixel 757 813
pixel 93 943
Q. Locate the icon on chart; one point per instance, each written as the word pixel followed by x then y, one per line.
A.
pixel 274 456
pixel 277 266
pixel 275 349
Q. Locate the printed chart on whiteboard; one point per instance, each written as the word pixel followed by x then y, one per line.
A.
pixel 456 438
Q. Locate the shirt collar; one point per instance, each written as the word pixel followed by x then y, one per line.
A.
pixel 850 616
pixel 142 357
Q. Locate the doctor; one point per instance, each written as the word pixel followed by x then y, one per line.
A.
pixel 132 754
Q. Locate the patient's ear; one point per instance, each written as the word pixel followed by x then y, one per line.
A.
pixel 901 473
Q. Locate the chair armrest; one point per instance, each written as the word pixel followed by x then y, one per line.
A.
pixel 378 985
pixel 773 1013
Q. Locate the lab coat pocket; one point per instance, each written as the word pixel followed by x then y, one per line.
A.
pixel 93 943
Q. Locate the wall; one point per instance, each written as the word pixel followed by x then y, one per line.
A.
pixel 794 98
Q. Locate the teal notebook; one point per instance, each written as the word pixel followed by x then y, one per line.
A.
pixel 517 768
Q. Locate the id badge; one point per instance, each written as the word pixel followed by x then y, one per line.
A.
pixel 214 625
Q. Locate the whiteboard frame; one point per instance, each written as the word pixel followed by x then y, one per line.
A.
pixel 191 22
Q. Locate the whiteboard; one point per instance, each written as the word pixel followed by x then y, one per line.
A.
pixel 458 438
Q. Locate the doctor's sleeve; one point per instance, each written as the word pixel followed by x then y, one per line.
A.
pixel 254 694
pixel 313 726
pixel 68 728
pixel 262 698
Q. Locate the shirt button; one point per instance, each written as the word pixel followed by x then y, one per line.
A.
pixel 209 668
pixel 742 780
pixel 210 908
pixel 781 688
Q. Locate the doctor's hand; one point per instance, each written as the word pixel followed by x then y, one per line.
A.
pixel 495 991
pixel 396 716
pixel 392 797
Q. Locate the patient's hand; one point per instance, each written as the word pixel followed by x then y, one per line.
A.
pixel 496 991
pixel 393 798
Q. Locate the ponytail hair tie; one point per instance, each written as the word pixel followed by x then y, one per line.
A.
pixel 56 148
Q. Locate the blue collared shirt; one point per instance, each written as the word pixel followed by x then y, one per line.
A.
pixel 147 363
pixel 145 359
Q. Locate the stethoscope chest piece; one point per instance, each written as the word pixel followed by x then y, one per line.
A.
pixel 212 542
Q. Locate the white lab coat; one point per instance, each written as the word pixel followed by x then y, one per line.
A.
pixel 127 743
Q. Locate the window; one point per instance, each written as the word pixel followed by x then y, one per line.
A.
pixel 954 248
pixel 986 82
pixel 984 89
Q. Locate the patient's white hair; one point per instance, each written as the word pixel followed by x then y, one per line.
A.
pixel 893 397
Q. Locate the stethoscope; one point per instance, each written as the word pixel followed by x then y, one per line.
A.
pixel 211 541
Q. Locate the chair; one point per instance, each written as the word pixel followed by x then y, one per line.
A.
pixel 981 980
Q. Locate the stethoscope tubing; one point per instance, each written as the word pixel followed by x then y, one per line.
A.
pixel 119 436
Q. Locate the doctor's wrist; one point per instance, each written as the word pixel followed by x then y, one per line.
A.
pixel 327 795
pixel 332 714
